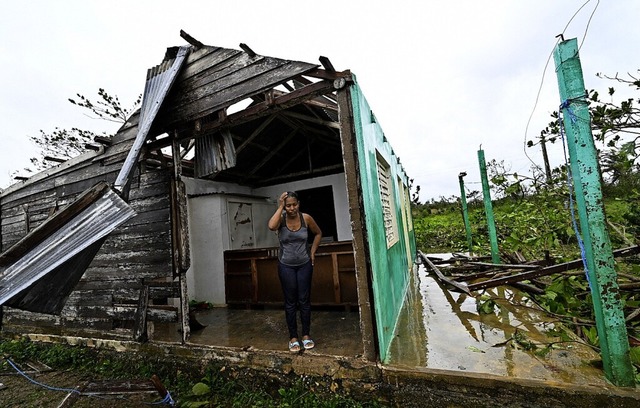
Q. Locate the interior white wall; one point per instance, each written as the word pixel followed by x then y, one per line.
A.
pixel 340 200
pixel 209 225
pixel 205 277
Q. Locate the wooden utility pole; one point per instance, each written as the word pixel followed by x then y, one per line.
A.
pixel 465 211
pixel 545 157
pixel 607 305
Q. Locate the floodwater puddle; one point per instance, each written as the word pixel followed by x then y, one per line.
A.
pixel 443 329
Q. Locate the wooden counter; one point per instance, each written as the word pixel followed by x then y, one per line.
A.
pixel 251 276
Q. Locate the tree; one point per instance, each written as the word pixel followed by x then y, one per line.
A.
pixel 612 122
pixel 64 144
pixel 617 127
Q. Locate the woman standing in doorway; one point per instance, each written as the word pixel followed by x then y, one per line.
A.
pixel 295 265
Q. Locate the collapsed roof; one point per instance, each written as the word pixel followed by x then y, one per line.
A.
pixel 234 116
pixel 251 120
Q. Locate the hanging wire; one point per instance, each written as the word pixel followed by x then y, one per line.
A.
pixel 546 65
pixel 586 30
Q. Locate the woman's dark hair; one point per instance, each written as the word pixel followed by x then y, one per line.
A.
pixel 292 194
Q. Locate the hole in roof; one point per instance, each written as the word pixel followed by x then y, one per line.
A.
pixel 238 106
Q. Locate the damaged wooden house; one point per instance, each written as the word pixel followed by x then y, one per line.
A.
pixel 173 209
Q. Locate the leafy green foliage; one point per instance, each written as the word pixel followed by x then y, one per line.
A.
pixel 440 233
pixel 485 305
pixel 107 107
pixel 560 295
pixel 63 144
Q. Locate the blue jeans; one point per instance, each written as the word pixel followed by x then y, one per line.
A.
pixel 296 287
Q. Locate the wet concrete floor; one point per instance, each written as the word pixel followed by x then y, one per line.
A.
pixel 442 329
pixel 334 331
pixel 438 329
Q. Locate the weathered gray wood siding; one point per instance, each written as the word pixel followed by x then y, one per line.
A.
pixel 137 253
pixel 214 78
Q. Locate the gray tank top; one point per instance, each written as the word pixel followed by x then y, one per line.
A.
pixel 294 250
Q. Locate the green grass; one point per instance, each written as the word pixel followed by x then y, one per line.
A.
pixel 190 384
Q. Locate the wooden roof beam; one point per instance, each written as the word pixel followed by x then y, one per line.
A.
pixel 328 103
pixel 248 50
pixel 197 44
pixel 55 159
pixel 304 81
pixel 103 140
pixel 325 136
pixel 273 152
pixel 324 74
pixel 304 173
pixel 311 119
pixel 279 103
pixel 327 64
pixel 255 133
pixel 259 109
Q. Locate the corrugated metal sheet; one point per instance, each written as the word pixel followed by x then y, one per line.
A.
pixel 159 81
pixel 66 249
pixel 46 264
pixel 214 153
pixel 49 293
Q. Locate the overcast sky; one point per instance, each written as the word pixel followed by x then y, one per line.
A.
pixel 442 77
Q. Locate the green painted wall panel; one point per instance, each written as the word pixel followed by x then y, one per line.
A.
pixel 391 261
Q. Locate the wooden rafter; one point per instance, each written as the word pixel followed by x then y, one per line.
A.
pixel 273 152
pixel 302 81
pixel 304 173
pixel 311 119
pixel 254 111
pixel 255 133
pixel 279 103
pixel 292 159
pixel 294 123
pixel 321 102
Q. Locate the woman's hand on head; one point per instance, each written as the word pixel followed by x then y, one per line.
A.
pixel 283 197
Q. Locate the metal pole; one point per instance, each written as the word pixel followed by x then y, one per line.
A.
pixel 465 211
pixel 488 209
pixel 612 331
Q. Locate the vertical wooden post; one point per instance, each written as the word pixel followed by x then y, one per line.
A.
pixel 610 322
pixel 140 319
pixel 363 280
pixel 488 209
pixel 465 211
pixel 180 236
pixel 545 157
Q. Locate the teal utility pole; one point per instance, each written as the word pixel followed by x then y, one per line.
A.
pixel 465 211
pixel 610 322
pixel 488 209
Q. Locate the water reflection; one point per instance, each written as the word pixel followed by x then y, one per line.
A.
pixel 442 329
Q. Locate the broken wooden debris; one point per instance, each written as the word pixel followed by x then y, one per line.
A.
pixel 501 274
pixel 434 268
pixel 109 387
pixel 545 271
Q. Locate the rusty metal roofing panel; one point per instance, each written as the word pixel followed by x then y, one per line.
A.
pixel 72 243
pixel 214 152
pixel 159 80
